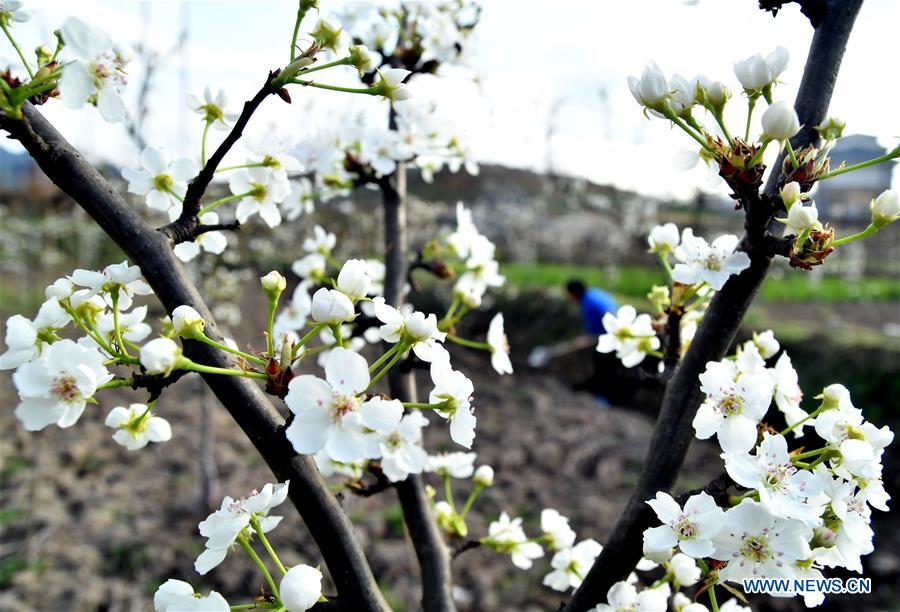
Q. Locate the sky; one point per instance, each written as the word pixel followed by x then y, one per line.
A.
pixel 537 68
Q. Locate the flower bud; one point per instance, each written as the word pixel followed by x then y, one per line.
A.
pixel 766 343
pixel 802 218
pixel 717 94
pixel 362 59
pixel 300 588
pixel 833 395
pixel 291 70
pixel 187 322
pixel 331 306
pixel 652 89
pixel 60 289
pixel 823 537
pixel 273 284
pixel 885 208
pixel 353 281
pixel 663 238
pixel 160 356
pixel 391 84
pixel 790 194
pixel 780 122
pixel 484 476
pixel 419 327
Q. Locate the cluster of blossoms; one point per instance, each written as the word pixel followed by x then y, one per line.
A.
pixel 700 269
pixel 802 510
pixel 239 522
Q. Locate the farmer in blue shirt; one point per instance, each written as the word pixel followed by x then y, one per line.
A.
pixel 594 304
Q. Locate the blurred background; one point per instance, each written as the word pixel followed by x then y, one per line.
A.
pixel 572 178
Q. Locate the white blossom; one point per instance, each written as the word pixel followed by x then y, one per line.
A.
pixel 885 208
pixel 780 122
pixel 300 588
pixel 454 390
pixel 391 84
pixel 557 532
pixel 624 597
pixel 161 181
pixel 506 535
pixel 652 89
pixel 571 565
pixel 629 334
pixel 757 72
pixel 691 529
pixel 699 261
pixel 455 465
pixel 330 306
pixel 136 426
pixel 262 192
pixel 353 279
pixel 177 596
pixel 25 338
pixel 401 449
pixel 159 356
pixel 212 108
pixel 664 238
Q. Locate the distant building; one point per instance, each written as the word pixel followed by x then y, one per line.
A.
pixel 846 197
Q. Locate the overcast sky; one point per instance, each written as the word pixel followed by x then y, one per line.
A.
pixel 539 67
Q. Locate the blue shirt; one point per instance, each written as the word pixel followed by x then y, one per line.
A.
pixel 594 304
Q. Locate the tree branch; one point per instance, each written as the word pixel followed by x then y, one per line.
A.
pixel 432 553
pixel 252 410
pixel 184 228
pixel 673 432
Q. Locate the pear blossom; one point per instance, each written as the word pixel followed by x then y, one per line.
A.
pixel 330 306
pixel 757 73
pixel 160 356
pixel 271 151
pixel 213 242
pixel 496 339
pixel 630 335
pixel 757 544
pixel 14 10
pixel 455 465
pixel 571 565
pixel 363 59
pixel 664 238
pixel 301 200
pixel 463 237
pixel 97 73
pixel 262 191
pixel 186 321
pixel 310 267
pixel 353 279
pixel 802 218
pixel 691 529
pixel 178 596
pixel 329 414
pixel 652 89
pixel 55 387
pixel 790 194
pixel 136 426
pixel 860 443
pixel 780 122
pixel 788 395
pixel 273 283
pixel 624 597
pixel 454 390
pixel 734 404
pixel 300 588
pixel 322 242
pixel 25 338
pixel 131 326
pixel 556 530
pixel 782 487
pixel 885 208
pixel 222 527
pixel 401 450
pixel 212 108
pixel 507 536
pixel 766 344
pixel 120 277
pixel 391 84
pixel 699 261
pixel 412 328
pixel 160 180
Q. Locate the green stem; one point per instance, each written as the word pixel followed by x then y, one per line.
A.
pixel 385 357
pixel 265 542
pixel 224 200
pixel 721 121
pixel 811 453
pixel 811 415
pixel 758 156
pixel 712 598
pixel 341 62
pixel 116 382
pixel 270 324
pixel 114 295
pixel 790 149
pixel 687 130
pixel 448 492
pixel 203 143
pixel 239 166
pixel 302 8
pixel 262 566
pixel 224 347
pixel 886 157
pixel 372 91
pixel 338 336
pixel 863 234
pixel 384 370
pixel 191 366
pixel 315 330
pixel 471 500
pixel 16 47
pixel 664 260
pixel 751 104
pixel 484 346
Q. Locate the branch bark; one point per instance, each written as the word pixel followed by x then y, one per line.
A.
pixel 673 432
pixel 431 551
pixel 254 413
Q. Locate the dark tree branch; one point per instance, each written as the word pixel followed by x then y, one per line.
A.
pixel 434 559
pixel 184 228
pixel 813 9
pixel 673 432
pixel 252 410
pixel 465 547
